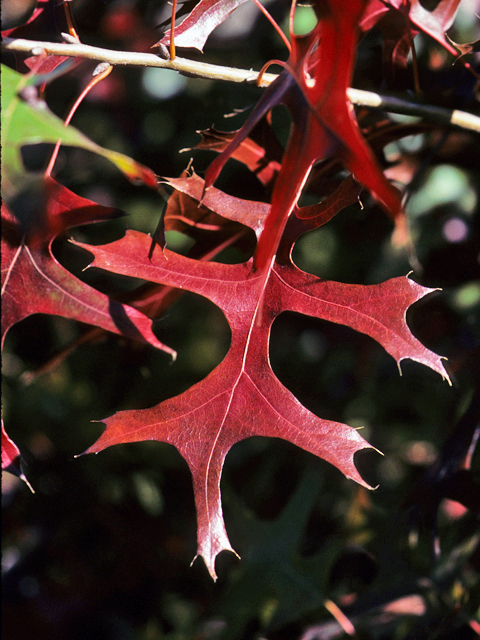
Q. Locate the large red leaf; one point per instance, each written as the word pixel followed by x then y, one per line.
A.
pixel 33 281
pixel 242 397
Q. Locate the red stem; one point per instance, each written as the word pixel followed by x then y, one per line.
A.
pixel 95 80
pixel 172 30
pixel 274 24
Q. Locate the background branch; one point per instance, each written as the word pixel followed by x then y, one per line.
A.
pixel 452 117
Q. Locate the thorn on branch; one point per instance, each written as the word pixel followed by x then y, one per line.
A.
pixel 69 39
pixel 38 51
pixel 163 51
pixel 102 67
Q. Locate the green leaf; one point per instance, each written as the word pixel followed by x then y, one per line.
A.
pixel 28 120
pixel 276 583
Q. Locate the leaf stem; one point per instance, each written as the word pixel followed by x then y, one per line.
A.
pixel 273 23
pixel 340 617
pixel 452 117
pixel 99 75
pixel 70 22
pixel 172 31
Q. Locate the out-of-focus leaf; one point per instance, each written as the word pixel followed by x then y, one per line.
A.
pixel 16 13
pixel 274 576
pixel 450 476
pixel 260 152
pixel 193 32
pixel 400 22
pixel 27 120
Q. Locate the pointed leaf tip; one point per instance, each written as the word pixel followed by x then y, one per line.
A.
pixel 210 561
pixel 11 459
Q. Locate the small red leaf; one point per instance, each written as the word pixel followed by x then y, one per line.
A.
pixel 251 214
pixel 401 21
pixel 11 458
pixel 260 152
pixel 48 67
pixel 10 453
pixel 193 32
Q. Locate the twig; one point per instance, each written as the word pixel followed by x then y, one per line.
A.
pixel 189 67
pixel 452 117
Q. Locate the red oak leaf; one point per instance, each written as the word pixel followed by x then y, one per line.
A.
pixel 436 22
pixel 193 32
pixel 401 21
pixel 248 213
pixel 323 121
pixel 33 281
pixel 260 152
pixel 11 458
pixel 10 452
pixel 242 397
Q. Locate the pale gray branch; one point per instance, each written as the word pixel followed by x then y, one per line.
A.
pixel 452 117
pixel 183 65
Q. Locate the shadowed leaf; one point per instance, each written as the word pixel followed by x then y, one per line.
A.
pixel 33 281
